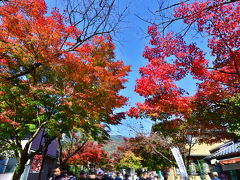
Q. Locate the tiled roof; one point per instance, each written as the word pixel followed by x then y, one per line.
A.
pixel 225 151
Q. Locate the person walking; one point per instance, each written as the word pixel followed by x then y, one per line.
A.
pixel 92 175
pixel 145 176
pixel 82 175
pixel 118 176
pixel 215 176
pixel 57 174
pixel 127 176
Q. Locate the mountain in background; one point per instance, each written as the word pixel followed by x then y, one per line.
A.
pixel 113 143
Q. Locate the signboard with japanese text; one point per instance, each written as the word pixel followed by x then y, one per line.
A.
pixel 178 157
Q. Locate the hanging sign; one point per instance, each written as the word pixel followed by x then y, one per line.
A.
pixel 37 162
pixel 178 157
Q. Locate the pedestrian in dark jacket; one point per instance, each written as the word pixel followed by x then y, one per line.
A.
pixel 68 175
pixel 127 176
pixel 118 177
pixel 82 175
pixel 92 175
pixel 145 176
pixel 57 174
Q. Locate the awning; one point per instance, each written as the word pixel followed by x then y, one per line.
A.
pixel 230 161
pixel 230 167
pixel 232 149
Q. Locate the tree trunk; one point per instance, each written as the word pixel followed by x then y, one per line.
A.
pixel 75 173
pixel 20 167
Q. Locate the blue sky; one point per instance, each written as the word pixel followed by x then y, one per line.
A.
pixel 130 51
pixel 129 48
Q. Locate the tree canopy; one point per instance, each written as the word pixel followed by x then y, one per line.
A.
pixel 171 58
pixel 46 81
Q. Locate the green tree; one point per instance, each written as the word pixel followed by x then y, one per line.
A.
pixel 130 160
pixel 154 150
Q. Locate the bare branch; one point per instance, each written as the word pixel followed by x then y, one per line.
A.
pixel 158 152
pixel 171 6
pixel 74 152
pixel 236 66
pixel 168 20
pixel 219 70
pixel 5 140
pixel 231 52
pixel 24 72
pixel 93 17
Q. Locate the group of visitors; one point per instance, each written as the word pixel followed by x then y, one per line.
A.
pixel 59 174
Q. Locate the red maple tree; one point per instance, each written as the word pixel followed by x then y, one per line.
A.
pixel 171 59
pixel 91 152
